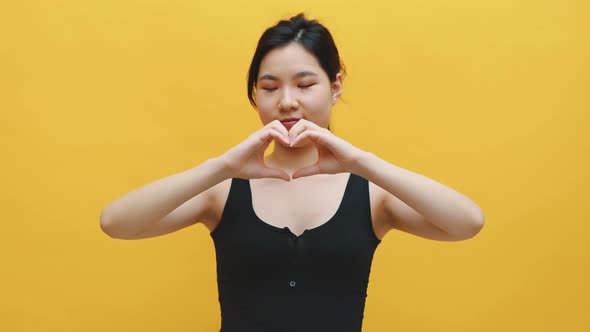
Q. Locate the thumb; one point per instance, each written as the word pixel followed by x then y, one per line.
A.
pixel 275 173
pixel 306 171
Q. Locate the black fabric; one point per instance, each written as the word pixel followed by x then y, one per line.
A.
pixel 269 279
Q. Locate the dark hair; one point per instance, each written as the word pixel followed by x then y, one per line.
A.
pixel 312 35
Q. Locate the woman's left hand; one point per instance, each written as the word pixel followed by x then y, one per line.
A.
pixel 334 154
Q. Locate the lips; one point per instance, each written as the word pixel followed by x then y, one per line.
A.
pixel 288 123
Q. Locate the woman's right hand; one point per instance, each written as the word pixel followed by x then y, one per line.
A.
pixel 246 160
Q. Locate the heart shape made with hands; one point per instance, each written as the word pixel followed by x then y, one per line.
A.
pixel 305 142
pixel 325 143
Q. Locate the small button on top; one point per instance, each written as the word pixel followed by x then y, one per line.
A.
pixel 292 283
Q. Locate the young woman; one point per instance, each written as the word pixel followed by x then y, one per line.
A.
pixel 294 232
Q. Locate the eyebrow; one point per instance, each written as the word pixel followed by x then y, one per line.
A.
pixel 298 75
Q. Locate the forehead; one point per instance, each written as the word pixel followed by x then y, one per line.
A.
pixel 289 60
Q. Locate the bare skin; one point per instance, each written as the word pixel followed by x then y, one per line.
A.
pixel 301 183
pixel 313 199
pixel 300 204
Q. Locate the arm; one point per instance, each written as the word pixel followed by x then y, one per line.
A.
pixel 408 201
pixel 149 208
pixel 183 199
pixel 419 205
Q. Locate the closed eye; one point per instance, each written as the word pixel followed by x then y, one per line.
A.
pixel 306 86
pixel 269 89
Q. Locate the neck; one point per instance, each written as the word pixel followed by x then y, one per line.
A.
pixel 292 159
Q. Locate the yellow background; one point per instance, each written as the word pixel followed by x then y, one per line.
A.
pixel 488 97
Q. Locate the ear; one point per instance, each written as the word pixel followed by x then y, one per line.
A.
pixel 336 88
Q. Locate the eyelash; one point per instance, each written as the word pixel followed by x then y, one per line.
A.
pixel 301 87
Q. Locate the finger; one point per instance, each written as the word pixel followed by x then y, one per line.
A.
pixel 277 125
pixel 280 137
pixel 303 125
pixel 310 127
pixel 262 141
pixel 314 136
pixel 276 174
pixel 306 171
pixel 298 128
pixel 296 131
pixel 282 131
pixel 269 134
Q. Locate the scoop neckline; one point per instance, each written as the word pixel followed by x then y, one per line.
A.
pixel 286 229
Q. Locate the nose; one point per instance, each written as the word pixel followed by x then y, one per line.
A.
pixel 288 101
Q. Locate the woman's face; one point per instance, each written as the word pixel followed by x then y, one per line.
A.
pixel 292 85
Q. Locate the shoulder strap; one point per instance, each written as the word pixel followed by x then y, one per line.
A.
pixel 236 205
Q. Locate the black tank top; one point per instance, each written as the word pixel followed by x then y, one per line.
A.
pixel 269 279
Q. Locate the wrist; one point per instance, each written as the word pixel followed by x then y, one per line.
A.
pixel 220 167
pixel 362 162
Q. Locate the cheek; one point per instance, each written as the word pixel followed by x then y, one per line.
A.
pixel 314 96
pixel 320 112
pixel 264 103
pixel 265 110
pixel 319 103
pixel 264 96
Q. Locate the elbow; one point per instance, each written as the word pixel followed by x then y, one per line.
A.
pixel 109 226
pixel 116 229
pixel 478 221
pixel 106 224
pixel 473 225
pixel 470 227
